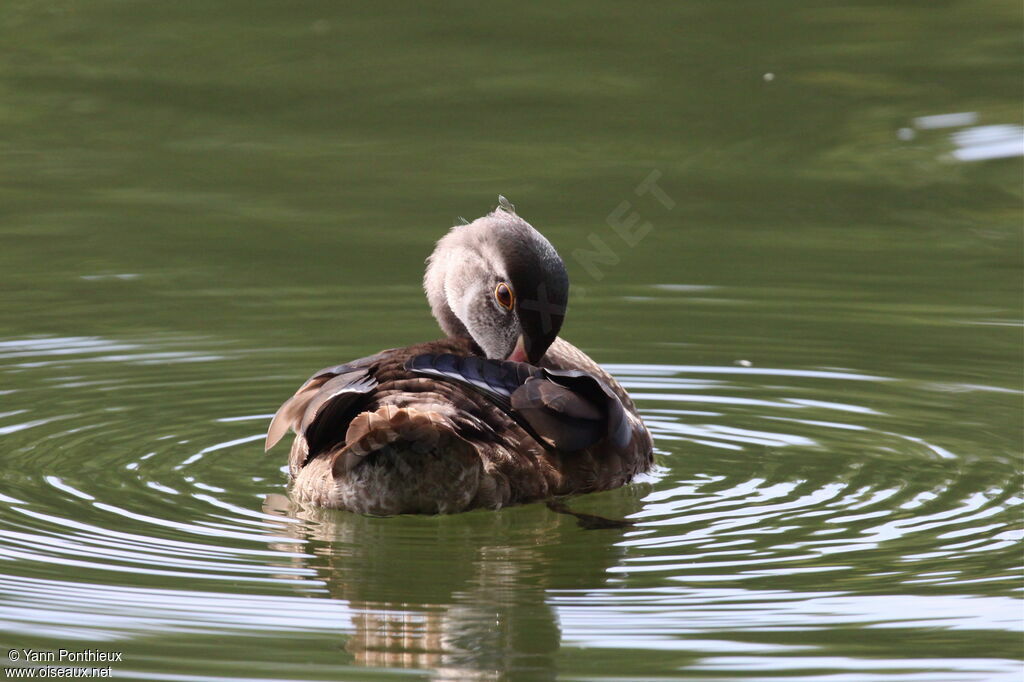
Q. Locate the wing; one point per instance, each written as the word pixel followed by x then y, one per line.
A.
pixel 328 413
pixel 496 380
pixel 318 410
pixel 567 410
pixel 578 390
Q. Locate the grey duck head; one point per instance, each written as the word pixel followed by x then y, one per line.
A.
pixel 498 281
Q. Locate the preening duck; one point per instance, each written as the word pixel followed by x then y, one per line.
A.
pixel 500 412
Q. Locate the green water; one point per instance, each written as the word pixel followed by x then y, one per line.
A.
pixel 202 203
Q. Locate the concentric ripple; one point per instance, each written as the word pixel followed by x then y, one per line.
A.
pixel 791 510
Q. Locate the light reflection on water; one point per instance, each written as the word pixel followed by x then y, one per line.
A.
pixel 989 142
pixel 972 142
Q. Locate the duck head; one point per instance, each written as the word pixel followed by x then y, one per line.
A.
pixel 498 281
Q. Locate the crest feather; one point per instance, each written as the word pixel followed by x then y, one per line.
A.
pixel 506 205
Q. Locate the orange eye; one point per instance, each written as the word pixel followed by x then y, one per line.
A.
pixel 504 296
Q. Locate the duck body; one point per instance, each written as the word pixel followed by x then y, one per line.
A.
pixel 445 426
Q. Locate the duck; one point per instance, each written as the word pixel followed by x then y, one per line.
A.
pixel 502 411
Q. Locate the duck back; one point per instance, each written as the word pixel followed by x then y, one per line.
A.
pixel 390 434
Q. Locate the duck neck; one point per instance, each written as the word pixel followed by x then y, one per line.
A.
pixel 450 324
pixel 437 296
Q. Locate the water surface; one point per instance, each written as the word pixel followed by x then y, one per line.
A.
pixel 205 203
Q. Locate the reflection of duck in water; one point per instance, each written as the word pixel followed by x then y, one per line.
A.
pixel 466 596
pixel 502 411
